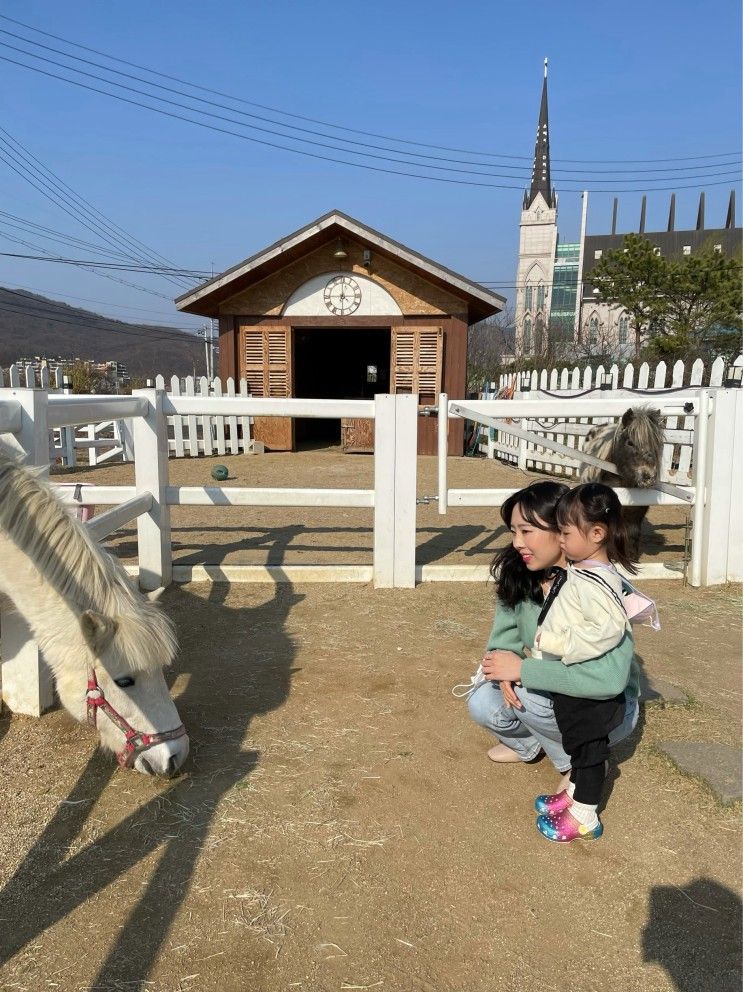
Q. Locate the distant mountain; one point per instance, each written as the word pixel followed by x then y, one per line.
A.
pixel 34 325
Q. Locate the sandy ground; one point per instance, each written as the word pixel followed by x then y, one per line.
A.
pixel 338 825
pixel 272 535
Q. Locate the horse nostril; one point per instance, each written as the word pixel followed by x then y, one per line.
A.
pixel 172 766
pixel 147 766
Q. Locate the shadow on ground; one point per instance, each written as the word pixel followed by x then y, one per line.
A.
pixel 694 932
pixel 253 677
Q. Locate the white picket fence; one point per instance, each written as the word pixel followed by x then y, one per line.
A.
pixel 112 440
pixel 207 435
pixel 27 415
pixel 597 384
pixel 108 440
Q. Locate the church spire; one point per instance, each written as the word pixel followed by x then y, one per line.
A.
pixel 540 176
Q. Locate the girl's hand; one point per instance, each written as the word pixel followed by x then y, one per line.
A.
pixel 502 666
pixel 509 695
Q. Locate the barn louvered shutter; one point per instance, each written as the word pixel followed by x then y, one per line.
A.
pixel 416 362
pixel 266 357
pixel 267 363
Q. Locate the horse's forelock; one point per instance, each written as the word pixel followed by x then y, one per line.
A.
pixel 646 429
pixel 145 638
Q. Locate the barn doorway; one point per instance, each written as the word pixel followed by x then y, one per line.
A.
pixel 338 363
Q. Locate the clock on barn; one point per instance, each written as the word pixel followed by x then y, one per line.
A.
pixel 342 295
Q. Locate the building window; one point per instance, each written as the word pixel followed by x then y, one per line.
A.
pixel 527 298
pixel 527 336
pixel 687 249
pixel 623 328
pixel 598 253
pixel 718 249
pixel 593 330
pixel 656 250
pixel 540 296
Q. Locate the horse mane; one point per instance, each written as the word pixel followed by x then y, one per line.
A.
pixel 85 576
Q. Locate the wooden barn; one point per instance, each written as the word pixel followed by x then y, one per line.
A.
pixel 340 311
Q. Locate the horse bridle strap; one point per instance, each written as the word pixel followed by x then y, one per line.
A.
pixel 135 741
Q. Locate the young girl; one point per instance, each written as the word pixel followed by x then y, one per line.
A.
pixel 584 617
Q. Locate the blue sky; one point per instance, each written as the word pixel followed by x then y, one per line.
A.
pixel 645 81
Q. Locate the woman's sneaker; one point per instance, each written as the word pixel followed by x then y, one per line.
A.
pixel 563 828
pixel 553 804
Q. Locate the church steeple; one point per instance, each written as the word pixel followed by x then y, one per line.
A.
pixel 540 176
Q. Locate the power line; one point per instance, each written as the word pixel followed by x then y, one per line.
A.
pixel 45 293
pixel 63 196
pixel 517 171
pixel 31 308
pixel 339 127
pixel 306 141
pixel 47 256
pixel 49 234
pixel 117 266
pixel 326 158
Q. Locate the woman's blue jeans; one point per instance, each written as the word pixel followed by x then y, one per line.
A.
pixel 533 729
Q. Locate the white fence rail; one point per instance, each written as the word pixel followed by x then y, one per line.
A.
pixel 27 415
pixel 599 385
pixel 113 440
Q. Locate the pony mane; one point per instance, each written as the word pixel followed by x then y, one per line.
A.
pixel 85 576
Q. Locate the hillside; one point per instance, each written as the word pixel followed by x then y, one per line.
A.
pixel 34 325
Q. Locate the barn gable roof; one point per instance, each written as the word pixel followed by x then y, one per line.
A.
pixel 206 298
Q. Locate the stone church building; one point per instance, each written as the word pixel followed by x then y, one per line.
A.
pixel 555 300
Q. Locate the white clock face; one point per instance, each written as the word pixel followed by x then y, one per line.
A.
pixel 342 295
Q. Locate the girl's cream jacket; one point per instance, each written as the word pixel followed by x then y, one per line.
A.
pixel 587 617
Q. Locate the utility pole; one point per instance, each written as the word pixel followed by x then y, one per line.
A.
pixel 214 335
pixel 205 332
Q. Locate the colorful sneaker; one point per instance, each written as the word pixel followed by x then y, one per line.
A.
pixel 553 804
pixel 563 828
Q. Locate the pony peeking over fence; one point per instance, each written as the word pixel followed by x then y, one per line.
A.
pixel 635 446
pixel 105 643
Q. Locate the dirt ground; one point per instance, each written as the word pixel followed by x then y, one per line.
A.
pixel 338 825
pixel 297 535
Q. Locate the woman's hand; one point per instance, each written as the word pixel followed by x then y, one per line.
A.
pixel 501 666
pixel 509 695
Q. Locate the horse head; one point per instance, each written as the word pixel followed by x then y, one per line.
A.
pixel 638 446
pixel 106 644
pixel 120 688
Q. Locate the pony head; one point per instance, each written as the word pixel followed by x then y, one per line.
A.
pixel 106 644
pixel 638 446
pixel 120 687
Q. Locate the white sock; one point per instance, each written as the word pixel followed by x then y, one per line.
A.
pixel 570 789
pixel 584 814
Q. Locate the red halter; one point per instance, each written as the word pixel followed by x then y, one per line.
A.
pixel 136 742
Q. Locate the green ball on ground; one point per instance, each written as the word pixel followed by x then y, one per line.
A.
pixel 220 473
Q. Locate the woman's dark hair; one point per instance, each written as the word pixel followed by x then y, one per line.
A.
pixel 538 505
pixel 594 503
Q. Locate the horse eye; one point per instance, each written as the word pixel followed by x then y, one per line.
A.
pixel 125 682
pixel 630 444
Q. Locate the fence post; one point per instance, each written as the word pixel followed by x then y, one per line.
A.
pixel 395 475
pixel 406 474
pixel 151 476
pixel 721 482
pixel 384 491
pixel 26 682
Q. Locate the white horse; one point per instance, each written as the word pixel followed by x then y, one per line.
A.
pixel 105 643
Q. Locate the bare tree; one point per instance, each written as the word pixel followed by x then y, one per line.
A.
pixel 490 346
